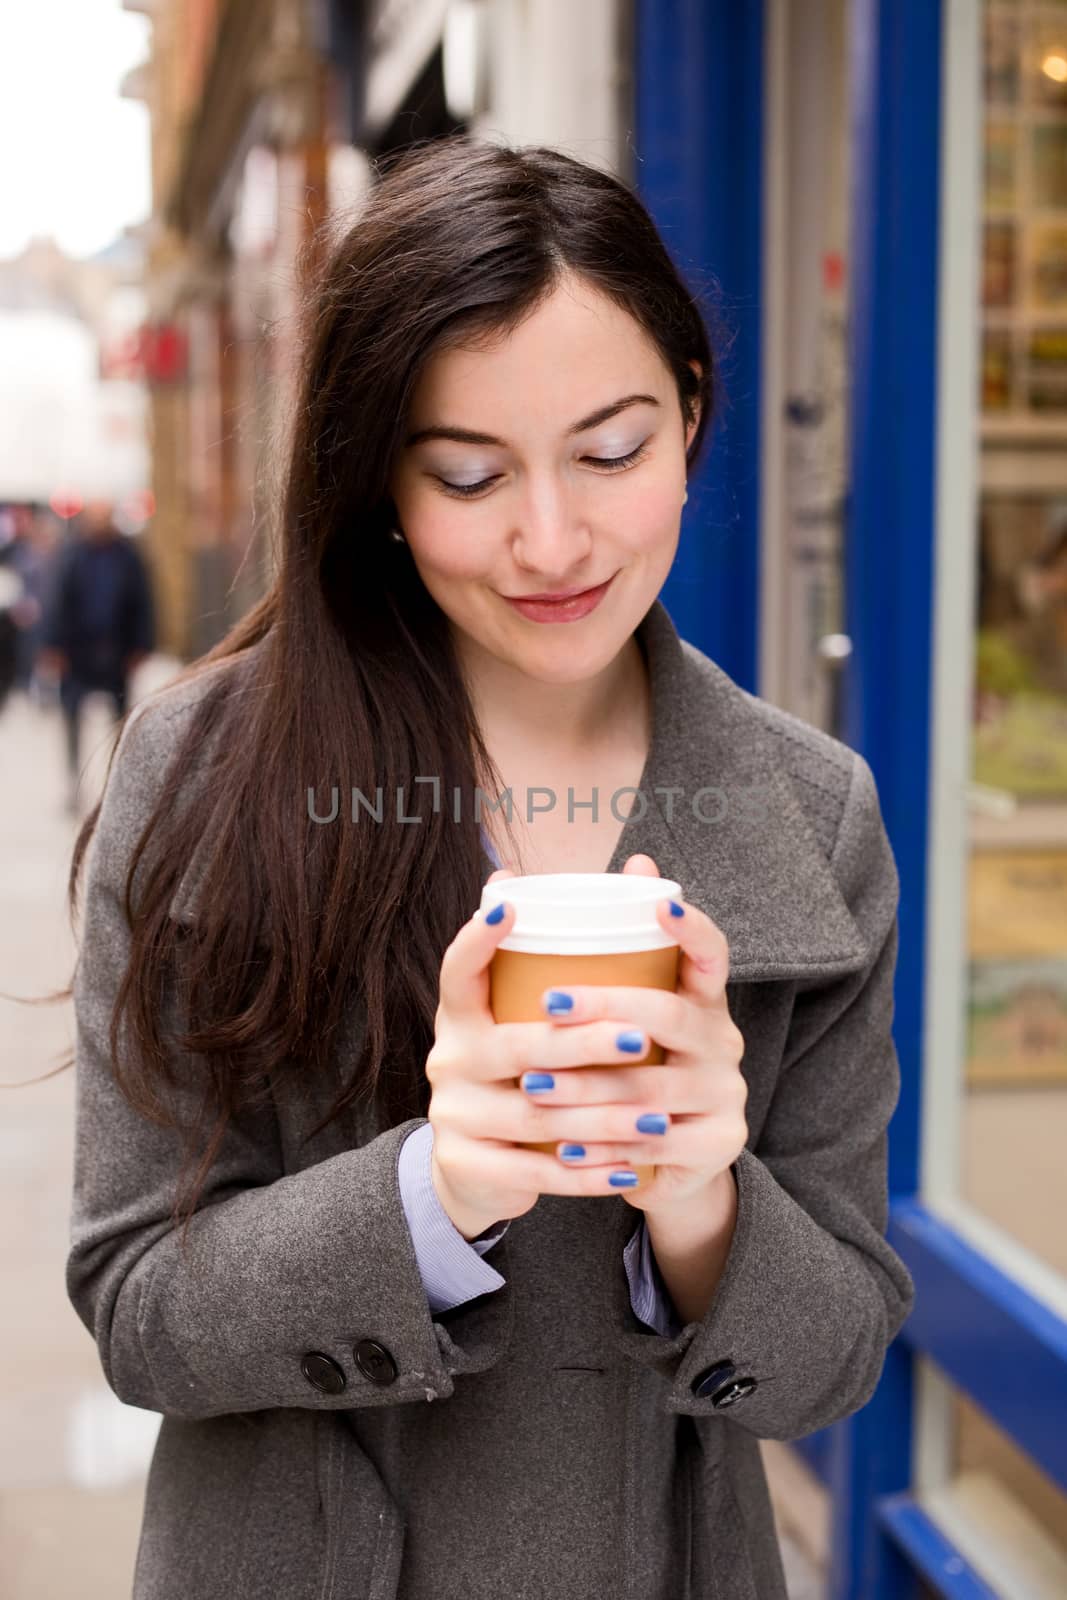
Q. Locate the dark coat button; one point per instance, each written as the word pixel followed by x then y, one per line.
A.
pixel 705 1383
pixel 322 1372
pixel 721 1385
pixel 736 1390
pixel 374 1361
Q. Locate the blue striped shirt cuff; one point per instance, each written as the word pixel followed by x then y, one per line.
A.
pixel 451 1267
pixel 649 1298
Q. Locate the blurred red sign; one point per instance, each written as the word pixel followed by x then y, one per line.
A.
pixel 163 351
pixel 155 352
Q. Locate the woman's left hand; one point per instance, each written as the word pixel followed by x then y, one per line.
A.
pixel 699 1086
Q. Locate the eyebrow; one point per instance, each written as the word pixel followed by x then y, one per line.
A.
pixel 469 436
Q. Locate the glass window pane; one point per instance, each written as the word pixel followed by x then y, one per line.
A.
pixel 1004 1515
pixel 1014 1130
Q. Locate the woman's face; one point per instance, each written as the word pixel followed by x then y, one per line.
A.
pixel 573 482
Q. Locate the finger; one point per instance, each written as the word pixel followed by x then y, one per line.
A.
pixel 678 1090
pixel 679 1022
pixel 680 1094
pixel 695 1143
pixel 516 1047
pixel 704 960
pixel 480 1111
pixel 641 866
pixel 464 977
pixel 502 1167
pixel 585 1156
pixel 501 872
pixel 528 1123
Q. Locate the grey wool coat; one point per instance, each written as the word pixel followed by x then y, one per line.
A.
pixel 323 1435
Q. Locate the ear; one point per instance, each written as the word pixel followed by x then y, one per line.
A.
pixel 692 428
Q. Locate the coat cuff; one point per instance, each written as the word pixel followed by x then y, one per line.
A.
pixel 797 1329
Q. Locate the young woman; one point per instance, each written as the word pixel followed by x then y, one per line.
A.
pixel 397 1352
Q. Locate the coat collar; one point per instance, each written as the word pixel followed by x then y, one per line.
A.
pixel 758 872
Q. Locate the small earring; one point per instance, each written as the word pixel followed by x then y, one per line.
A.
pixel 395 533
pixel 685 497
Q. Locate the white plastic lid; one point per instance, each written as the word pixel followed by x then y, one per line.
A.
pixel 583 913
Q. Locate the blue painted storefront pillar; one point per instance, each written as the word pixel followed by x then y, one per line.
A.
pixel 698 158
pixel 890 539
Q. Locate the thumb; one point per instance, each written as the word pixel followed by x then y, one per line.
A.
pixel 642 865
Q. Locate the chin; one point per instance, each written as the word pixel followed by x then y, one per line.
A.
pixel 567 659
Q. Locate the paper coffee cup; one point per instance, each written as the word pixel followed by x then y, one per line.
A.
pixel 581 927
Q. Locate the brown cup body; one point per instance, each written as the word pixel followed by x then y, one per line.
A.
pixel 518 978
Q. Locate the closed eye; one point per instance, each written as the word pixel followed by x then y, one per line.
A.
pixel 605 464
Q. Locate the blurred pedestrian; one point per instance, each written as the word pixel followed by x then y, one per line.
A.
pixel 99 623
pixel 10 595
pixel 32 556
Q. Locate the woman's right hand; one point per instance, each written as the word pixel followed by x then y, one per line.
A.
pixel 480 1115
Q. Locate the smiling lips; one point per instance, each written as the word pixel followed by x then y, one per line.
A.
pixel 571 608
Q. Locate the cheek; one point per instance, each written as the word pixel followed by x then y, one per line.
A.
pixel 448 545
pixel 652 515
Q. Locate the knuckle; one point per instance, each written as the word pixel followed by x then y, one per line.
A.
pixel 445 1106
pixel 446 1147
pixel 448 963
pixel 676 1011
pixel 545 1046
pixel 513 1049
pixel 736 1041
pixel 442 1063
pixel 537 1121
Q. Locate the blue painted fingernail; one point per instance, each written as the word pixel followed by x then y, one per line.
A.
pixel 631 1040
pixel 537 1082
pixel 573 1152
pixel 676 909
pixel 558 1001
pixel 652 1122
pixel 496 915
pixel 623 1180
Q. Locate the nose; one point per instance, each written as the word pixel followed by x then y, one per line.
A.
pixel 552 540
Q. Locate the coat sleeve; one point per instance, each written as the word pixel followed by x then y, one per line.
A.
pixel 811 1294
pixel 277 1266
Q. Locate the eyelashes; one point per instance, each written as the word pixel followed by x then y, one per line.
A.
pixel 605 464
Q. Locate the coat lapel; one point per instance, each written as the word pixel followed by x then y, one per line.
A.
pixel 755 867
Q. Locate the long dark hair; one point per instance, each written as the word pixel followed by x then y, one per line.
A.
pixel 353 680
